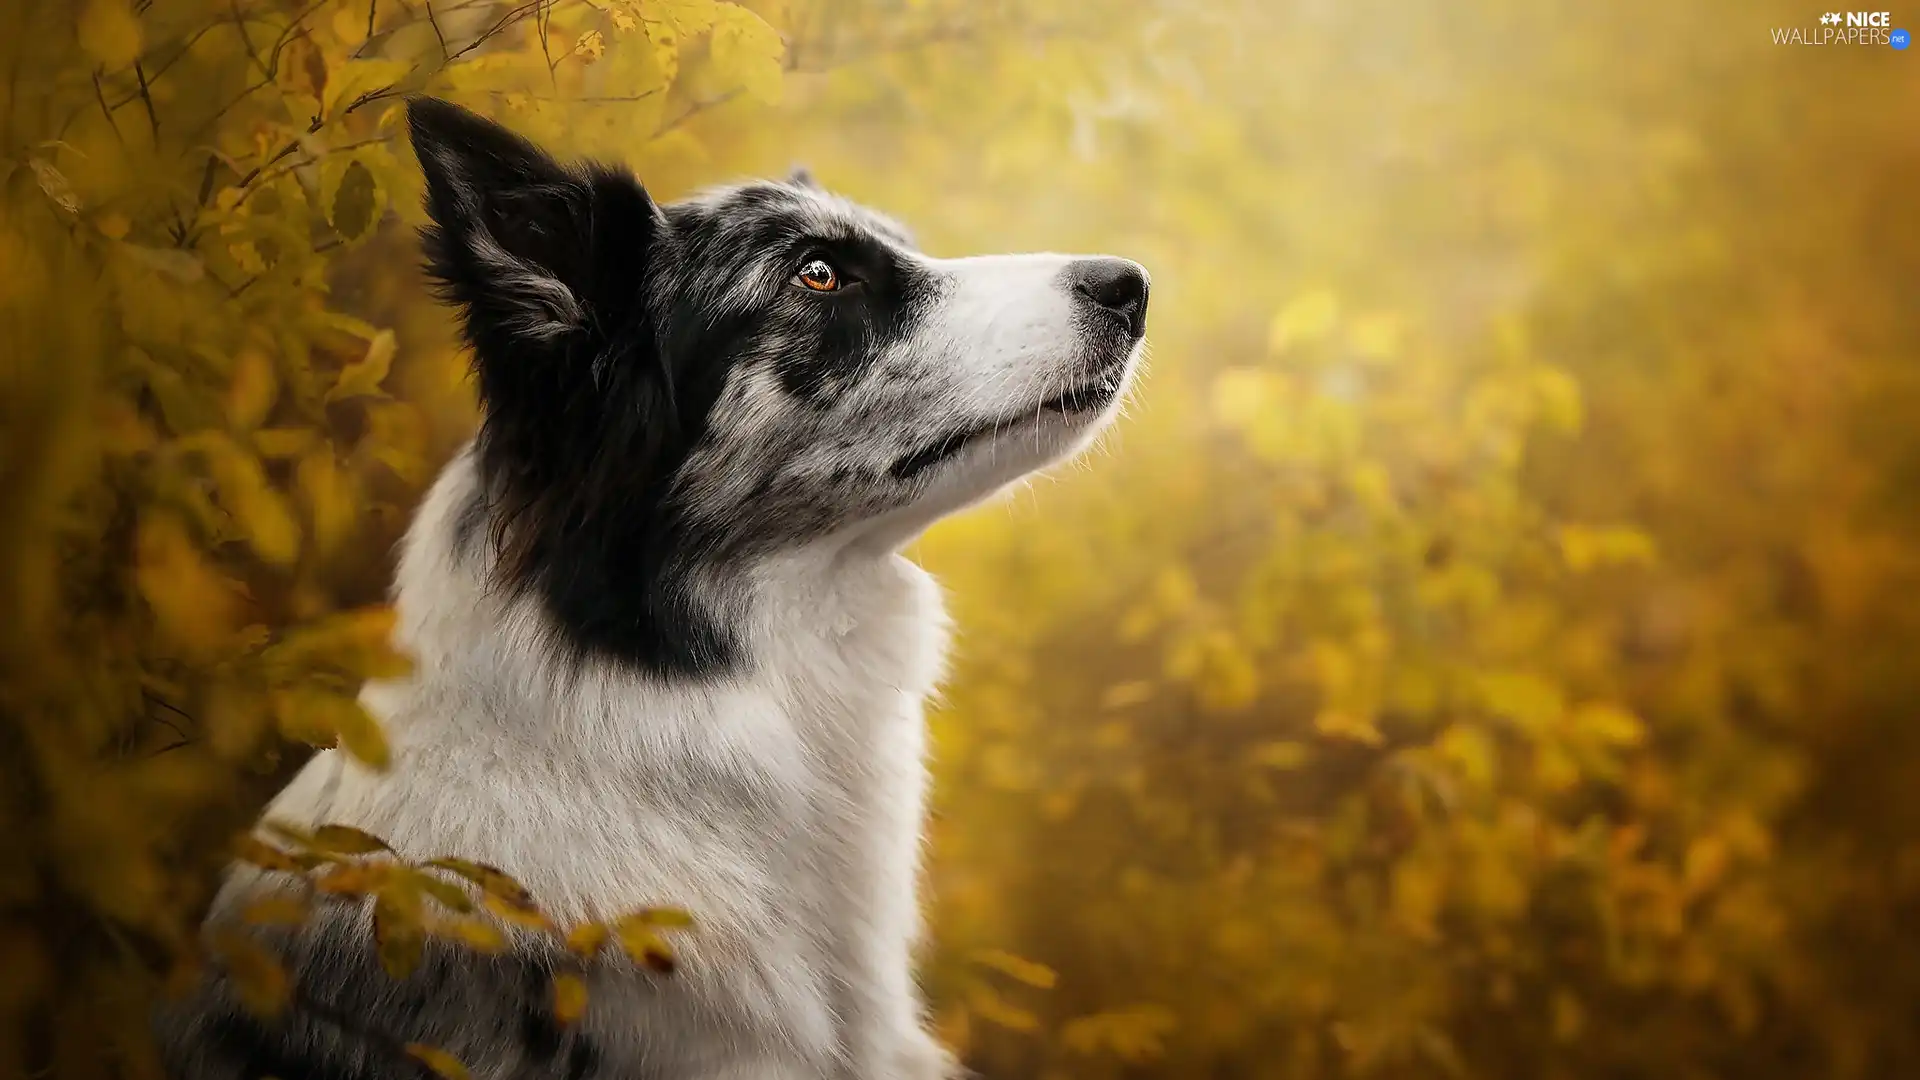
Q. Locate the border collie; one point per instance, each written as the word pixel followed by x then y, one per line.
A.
pixel 668 651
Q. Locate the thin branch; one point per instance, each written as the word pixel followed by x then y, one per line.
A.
pixel 694 110
pixel 100 95
pixel 435 23
pixel 543 24
pixel 249 183
pixel 152 117
pixel 153 699
pixel 246 39
pixel 513 16
pixel 272 68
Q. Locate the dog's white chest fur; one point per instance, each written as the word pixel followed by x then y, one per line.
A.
pixel 780 803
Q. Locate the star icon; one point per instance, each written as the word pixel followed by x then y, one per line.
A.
pixel 1831 18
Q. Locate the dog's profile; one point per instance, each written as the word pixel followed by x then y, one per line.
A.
pixel 667 649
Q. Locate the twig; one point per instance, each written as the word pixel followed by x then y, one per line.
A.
pixel 512 16
pixel 100 95
pixel 272 68
pixel 246 39
pixel 152 117
pixel 435 23
pixel 694 110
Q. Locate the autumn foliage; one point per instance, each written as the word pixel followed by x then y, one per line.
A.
pixel 1487 650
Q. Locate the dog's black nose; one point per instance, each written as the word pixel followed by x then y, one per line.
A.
pixel 1118 285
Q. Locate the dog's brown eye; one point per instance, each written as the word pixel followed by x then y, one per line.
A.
pixel 818 275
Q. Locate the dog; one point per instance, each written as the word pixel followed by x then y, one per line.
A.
pixel 667 649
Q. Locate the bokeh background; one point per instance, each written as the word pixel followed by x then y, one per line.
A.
pixel 1489 647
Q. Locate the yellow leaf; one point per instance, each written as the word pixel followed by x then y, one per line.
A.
pixel 685 16
pixel 516 914
pixel 1610 724
pixel 1470 751
pixel 475 934
pixel 278 444
pixel 1307 318
pixel 1175 590
pixel 363 377
pixel 258 977
pixel 636 936
pixel 354 81
pixel 624 23
pixel 1708 858
pixel 346 840
pixel 989 1006
pixel 398 934
pixel 260 512
pixel 246 255
pixel 446 893
pixel 1375 337
pixel 569 998
pixel 1136 1034
pixel 357 878
pixel 591 46
pixel 357 642
pixel 1558 397
pixel 1340 724
pixel 1584 548
pixel 252 389
pixel 750 51
pixel 443 1064
pixel 668 918
pixel 251 849
pixel 1123 695
pixel 1372 487
pixel 114 226
pixel 491 881
pixel 1529 701
pixel 360 735
pixel 195 607
pixel 1417 891
pixel 586 939
pixel 327 491
pixel 1283 754
pixel 1017 968
pixel 109 32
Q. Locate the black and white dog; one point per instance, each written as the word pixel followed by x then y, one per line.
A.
pixel 667 649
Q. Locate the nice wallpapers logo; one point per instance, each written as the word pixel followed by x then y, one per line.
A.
pixel 1846 28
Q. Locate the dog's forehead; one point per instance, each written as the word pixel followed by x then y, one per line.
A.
pixel 759 207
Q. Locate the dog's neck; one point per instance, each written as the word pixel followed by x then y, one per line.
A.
pixel 824 606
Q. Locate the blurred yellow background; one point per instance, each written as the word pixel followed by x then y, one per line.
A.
pixel 1489 648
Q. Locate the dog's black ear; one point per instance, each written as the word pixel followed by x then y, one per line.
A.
pixel 548 264
pixel 802 177
pixel 539 256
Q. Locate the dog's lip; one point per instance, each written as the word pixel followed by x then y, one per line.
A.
pixel 1087 397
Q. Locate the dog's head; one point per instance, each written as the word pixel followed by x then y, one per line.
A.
pixel 758 368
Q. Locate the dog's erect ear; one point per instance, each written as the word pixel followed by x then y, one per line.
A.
pixel 538 255
pixel 802 177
